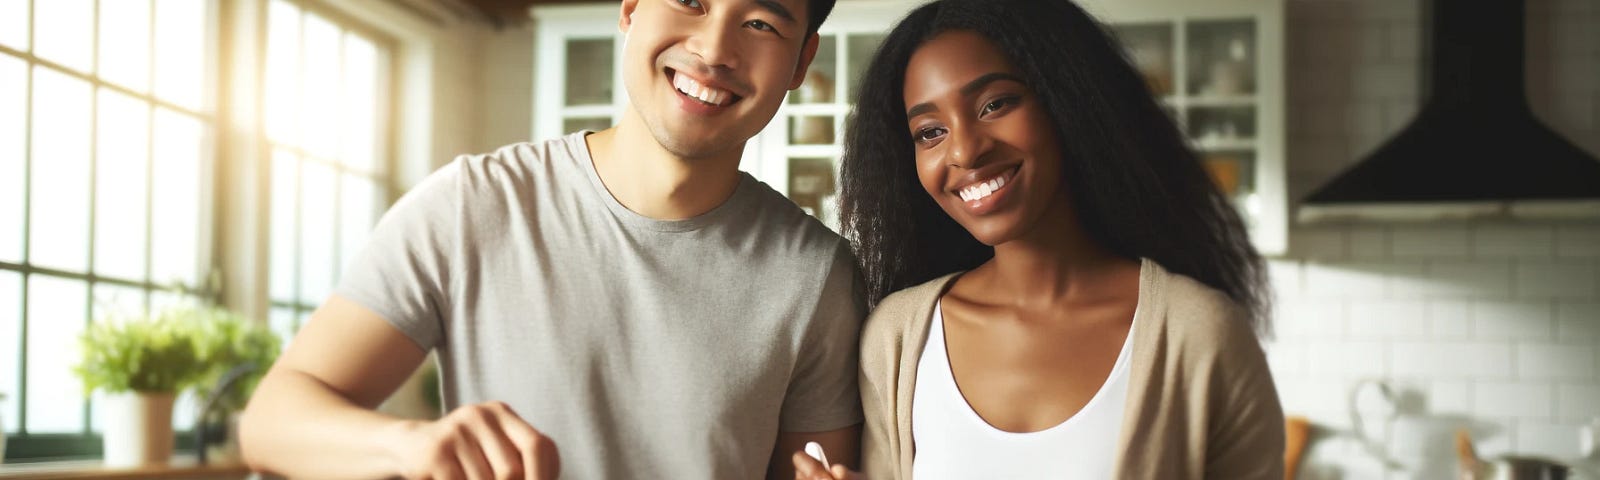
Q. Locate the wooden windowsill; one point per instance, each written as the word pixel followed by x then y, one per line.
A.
pixel 182 467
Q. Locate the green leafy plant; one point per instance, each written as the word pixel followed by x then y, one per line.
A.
pixel 225 340
pixel 156 354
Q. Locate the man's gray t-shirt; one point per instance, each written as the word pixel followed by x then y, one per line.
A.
pixel 644 348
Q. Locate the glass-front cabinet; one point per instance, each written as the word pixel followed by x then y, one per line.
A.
pixel 1217 65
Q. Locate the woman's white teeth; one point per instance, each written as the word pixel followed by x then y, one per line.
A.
pixel 694 89
pixel 982 189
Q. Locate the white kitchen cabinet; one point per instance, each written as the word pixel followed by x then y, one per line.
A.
pixel 1216 64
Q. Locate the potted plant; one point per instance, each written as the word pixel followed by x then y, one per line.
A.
pixel 236 353
pixel 140 364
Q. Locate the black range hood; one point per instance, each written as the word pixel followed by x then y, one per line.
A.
pixel 1475 149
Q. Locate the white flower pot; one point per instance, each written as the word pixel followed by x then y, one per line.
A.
pixel 138 429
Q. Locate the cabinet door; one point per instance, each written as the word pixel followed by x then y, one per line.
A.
pixel 798 153
pixel 1217 67
pixel 578 84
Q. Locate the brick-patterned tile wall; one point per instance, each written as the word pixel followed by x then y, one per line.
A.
pixel 1495 323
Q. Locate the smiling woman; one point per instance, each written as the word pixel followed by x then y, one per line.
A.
pixel 1061 261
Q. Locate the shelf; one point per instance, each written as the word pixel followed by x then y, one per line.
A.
pixel 1215 144
pixel 1221 101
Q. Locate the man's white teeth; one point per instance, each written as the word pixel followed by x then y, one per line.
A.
pixel 694 89
pixel 982 189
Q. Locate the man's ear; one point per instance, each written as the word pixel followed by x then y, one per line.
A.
pixel 807 53
pixel 626 21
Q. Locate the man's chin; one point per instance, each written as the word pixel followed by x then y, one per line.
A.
pixel 690 143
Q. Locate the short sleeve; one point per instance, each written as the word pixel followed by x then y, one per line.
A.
pixel 823 392
pixel 403 272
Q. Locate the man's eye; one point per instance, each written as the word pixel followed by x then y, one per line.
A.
pixel 690 3
pixel 760 25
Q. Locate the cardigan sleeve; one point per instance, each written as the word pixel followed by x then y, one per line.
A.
pixel 1245 434
pixel 880 347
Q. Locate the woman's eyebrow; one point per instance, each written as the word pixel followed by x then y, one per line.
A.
pixel 966 90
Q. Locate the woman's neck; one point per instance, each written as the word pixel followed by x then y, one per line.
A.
pixel 1055 263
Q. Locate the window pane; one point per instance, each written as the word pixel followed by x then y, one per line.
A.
pixel 317 265
pixel 60 206
pixel 180 51
pixel 14 29
pixel 285 180
pixel 175 207
pixel 281 320
pixel 283 72
pixel 116 301
pixel 13 144
pixel 120 176
pixel 185 409
pixel 360 103
pixel 589 71
pixel 125 43
pixel 321 87
pixel 358 213
pixel 10 348
pixel 65 32
pixel 56 316
pixel 164 299
pixel 111 302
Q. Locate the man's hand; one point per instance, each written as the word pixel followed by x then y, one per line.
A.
pixel 807 468
pixel 486 441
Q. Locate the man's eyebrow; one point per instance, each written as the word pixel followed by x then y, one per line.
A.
pixel 777 9
pixel 966 90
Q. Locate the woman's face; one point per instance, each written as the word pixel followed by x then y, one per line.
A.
pixel 986 148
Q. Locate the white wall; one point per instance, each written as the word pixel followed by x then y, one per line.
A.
pixel 1498 322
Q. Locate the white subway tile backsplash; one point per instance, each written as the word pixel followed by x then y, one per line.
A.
pixel 1284 276
pixel 1348 358
pixel 1449 397
pixel 1441 241
pixel 1309 319
pixel 1286 358
pixel 1578 240
pixel 1498 321
pixel 1368 243
pixel 1545 279
pixel 1508 321
pixel 1450 319
pixel 1578 322
pixel 1513 241
pixel 1578 401
pixel 1513 399
pixel 1345 280
pixel 1388 319
pixel 1321 244
pixel 1549 440
pixel 1461 279
pixel 1551 361
pixel 1429 359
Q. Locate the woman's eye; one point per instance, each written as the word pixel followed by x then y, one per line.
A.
pixel 997 104
pixel 928 134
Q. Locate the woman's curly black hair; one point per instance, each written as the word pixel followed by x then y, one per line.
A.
pixel 1138 189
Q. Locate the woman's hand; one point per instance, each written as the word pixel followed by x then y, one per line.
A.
pixel 482 441
pixel 807 468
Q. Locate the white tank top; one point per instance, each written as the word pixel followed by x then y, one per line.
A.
pixel 953 442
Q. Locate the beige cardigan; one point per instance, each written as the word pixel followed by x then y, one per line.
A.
pixel 1201 403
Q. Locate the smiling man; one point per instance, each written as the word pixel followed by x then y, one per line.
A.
pixel 607 305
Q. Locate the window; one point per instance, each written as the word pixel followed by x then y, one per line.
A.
pixel 106 151
pixel 327 91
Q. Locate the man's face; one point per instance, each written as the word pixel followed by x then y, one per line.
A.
pixel 706 75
